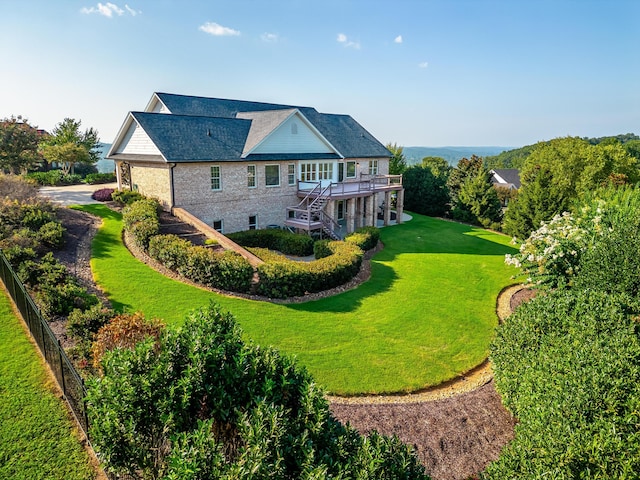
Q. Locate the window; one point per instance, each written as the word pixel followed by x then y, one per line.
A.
pixel 253 222
pixel 308 172
pixel 351 169
pixel 216 183
pixel 251 176
pixel 325 171
pixel 272 175
pixel 217 225
pixel 373 167
pixel 291 173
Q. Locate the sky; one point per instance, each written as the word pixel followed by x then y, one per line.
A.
pixel 412 72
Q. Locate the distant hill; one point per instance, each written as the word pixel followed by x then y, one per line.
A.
pixel 104 165
pixel 453 155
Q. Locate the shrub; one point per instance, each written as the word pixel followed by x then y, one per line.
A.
pixel 204 403
pixel 96 178
pixel 567 365
pixel 124 331
pixel 140 219
pixel 365 237
pixel 226 270
pixel 62 298
pixel 274 239
pixel 51 178
pixel 84 324
pixel 282 279
pixel 103 194
pixel 126 197
pixel 320 249
pixel 51 235
pixel 17 188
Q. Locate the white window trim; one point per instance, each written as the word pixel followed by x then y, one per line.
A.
pixel 255 225
pixel 291 177
pixel 346 169
pixel 255 176
pixel 373 167
pixel 219 178
pixel 265 175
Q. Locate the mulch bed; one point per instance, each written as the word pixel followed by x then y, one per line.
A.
pixel 454 437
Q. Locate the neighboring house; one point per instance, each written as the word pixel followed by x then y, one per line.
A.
pixel 239 165
pixel 507 183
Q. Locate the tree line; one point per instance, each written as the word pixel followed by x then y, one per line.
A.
pixel 24 148
pixel 554 175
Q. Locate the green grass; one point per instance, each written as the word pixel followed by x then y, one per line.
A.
pixel 426 315
pixel 36 435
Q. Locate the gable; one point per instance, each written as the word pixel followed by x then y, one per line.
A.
pixel 283 132
pixel 136 141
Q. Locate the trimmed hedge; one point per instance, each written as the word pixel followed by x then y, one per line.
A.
pixel 140 219
pixel 126 197
pixel 226 270
pixel 567 365
pixel 274 239
pixel 283 279
pixel 365 237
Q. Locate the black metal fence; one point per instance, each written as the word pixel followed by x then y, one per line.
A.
pixel 66 375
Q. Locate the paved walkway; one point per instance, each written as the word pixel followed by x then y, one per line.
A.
pixel 74 194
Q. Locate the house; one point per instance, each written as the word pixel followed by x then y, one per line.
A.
pixel 239 165
pixel 507 183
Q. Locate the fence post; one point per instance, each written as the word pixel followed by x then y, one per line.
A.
pixel 64 384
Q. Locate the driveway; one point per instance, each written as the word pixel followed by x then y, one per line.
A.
pixel 74 194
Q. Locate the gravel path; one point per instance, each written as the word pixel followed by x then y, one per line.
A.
pixel 455 434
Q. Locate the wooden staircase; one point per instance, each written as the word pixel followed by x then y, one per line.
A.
pixel 309 214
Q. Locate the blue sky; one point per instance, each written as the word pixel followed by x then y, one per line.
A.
pixel 414 72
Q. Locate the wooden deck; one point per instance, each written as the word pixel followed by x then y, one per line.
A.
pixel 352 189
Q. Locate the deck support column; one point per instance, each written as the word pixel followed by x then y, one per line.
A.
pixel 350 214
pixel 359 212
pixel 330 209
pixel 387 207
pixel 399 205
pixel 371 211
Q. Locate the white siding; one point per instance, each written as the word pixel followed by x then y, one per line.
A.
pixel 137 141
pixel 282 140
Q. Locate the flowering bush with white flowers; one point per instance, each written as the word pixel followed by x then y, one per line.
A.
pixel 550 257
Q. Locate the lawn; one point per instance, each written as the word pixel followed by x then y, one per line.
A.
pixel 426 315
pixel 36 434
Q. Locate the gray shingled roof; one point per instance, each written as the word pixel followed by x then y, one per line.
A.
pixel 342 131
pixel 183 138
pixel 509 175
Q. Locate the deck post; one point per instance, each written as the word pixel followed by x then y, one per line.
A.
pixel 371 211
pixel 399 205
pixel 350 214
pixel 387 207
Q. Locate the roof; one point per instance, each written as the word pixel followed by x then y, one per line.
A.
pixel 506 176
pixel 346 135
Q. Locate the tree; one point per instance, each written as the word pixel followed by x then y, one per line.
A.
pixel 202 403
pixel 466 168
pixel 479 198
pixel 68 146
pixel 18 145
pixel 397 162
pixel 438 166
pixel 424 192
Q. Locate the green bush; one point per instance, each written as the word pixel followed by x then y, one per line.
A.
pixel 63 298
pixel 206 404
pixel 321 249
pixel 51 235
pixel 274 239
pixel 365 237
pixel 84 324
pixel 226 270
pixel 50 178
pixel 126 197
pixel 140 219
pixel 96 178
pixel 567 365
pixel 283 279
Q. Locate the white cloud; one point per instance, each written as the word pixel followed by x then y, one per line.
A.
pixel 132 11
pixel 269 37
pixel 109 10
pixel 344 40
pixel 423 64
pixel 398 39
pixel 217 30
